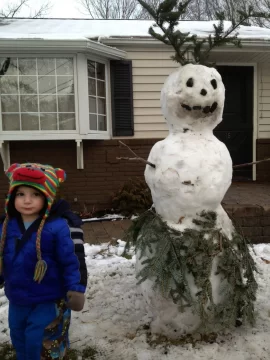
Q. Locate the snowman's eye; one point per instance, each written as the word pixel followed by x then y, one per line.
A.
pixel 214 83
pixel 190 82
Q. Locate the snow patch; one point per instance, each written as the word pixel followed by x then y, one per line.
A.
pixel 115 314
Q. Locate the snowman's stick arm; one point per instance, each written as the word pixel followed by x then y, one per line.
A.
pixel 251 163
pixel 137 158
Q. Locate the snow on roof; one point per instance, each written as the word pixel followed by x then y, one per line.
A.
pixel 81 29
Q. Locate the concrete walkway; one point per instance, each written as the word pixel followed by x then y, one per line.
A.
pixel 104 231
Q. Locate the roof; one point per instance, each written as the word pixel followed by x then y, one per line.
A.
pixel 81 29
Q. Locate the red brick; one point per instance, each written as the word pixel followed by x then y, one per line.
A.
pixel 266 231
pixel 266 209
pixel 247 210
pixel 248 221
pixel 252 231
pixel 265 221
pixel 260 239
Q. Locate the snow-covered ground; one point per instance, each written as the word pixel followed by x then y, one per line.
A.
pixel 115 317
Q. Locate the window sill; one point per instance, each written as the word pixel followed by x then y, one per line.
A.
pixel 38 135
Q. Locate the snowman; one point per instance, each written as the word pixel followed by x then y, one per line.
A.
pixel 193 168
pixel 192 172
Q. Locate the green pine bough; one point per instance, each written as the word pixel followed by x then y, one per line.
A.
pixel 169 255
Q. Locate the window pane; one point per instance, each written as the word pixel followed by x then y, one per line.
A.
pixel 102 125
pixel 28 84
pixel 92 104
pixel 92 87
pixel 67 122
pixel 46 66
pixel 47 103
pixel 10 103
pixel 30 121
pixel 65 84
pixel 93 122
pixel 101 88
pixel 10 122
pixel 66 103
pixel 9 85
pixel 46 85
pixel 91 66
pixel 27 66
pixel 35 91
pixel 101 106
pixel 48 121
pixel 29 103
pixel 101 71
pixel 64 66
pixel 9 66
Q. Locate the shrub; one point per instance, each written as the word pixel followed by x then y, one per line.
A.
pixel 134 197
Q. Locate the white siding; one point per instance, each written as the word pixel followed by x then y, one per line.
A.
pixel 264 101
pixel 150 69
pixel 151 66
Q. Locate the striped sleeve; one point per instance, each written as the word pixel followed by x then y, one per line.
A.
pixel 78 240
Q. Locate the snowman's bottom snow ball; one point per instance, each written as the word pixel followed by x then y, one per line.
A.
pixel 198 280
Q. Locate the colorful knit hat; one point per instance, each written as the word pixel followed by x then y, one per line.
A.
pixel 44 178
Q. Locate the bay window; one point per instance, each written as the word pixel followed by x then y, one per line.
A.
pixel 37 94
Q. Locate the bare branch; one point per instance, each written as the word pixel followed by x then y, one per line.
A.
pixel 251 163
pixel 198 9
pixel 115 9
pixel 42 11
pixel 138 158
pixel 14 8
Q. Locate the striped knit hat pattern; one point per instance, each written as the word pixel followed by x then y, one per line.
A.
pixel 44 178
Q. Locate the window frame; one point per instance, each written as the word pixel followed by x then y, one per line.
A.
pixel 83 96
pixel 24 134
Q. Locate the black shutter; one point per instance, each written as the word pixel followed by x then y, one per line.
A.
pixel 122 98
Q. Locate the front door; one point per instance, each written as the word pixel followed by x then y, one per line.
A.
pixel 236 129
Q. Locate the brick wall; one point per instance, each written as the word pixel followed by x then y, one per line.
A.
pixel 102 175
pixel 263 152
pixel 251 220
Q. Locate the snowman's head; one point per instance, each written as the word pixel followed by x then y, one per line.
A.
pixel 192 98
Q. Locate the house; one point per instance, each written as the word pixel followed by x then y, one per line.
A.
pixel 70 89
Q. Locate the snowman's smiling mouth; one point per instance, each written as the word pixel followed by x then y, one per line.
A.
pixel 205 110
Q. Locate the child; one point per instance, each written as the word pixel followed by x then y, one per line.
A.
pixel 38 266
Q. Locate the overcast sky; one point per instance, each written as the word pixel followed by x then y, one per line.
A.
pixel 60 8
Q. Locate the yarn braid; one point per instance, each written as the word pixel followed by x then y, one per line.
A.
pixel 41 265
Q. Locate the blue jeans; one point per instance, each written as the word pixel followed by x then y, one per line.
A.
pixel 28 328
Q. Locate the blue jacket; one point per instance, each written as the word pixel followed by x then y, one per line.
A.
pixel 62 209
pixel 20 259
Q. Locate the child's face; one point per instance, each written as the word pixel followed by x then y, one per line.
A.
pixel 29 202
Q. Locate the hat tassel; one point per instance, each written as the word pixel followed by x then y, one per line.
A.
pixel 41 265
pixel 40 270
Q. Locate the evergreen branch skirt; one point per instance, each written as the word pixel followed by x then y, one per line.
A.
pixel 40 332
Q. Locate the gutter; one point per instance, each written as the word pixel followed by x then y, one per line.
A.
pixel 60 46
pixel 105 50
pixel 248 44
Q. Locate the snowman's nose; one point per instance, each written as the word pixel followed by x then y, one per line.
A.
pixel 203 92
